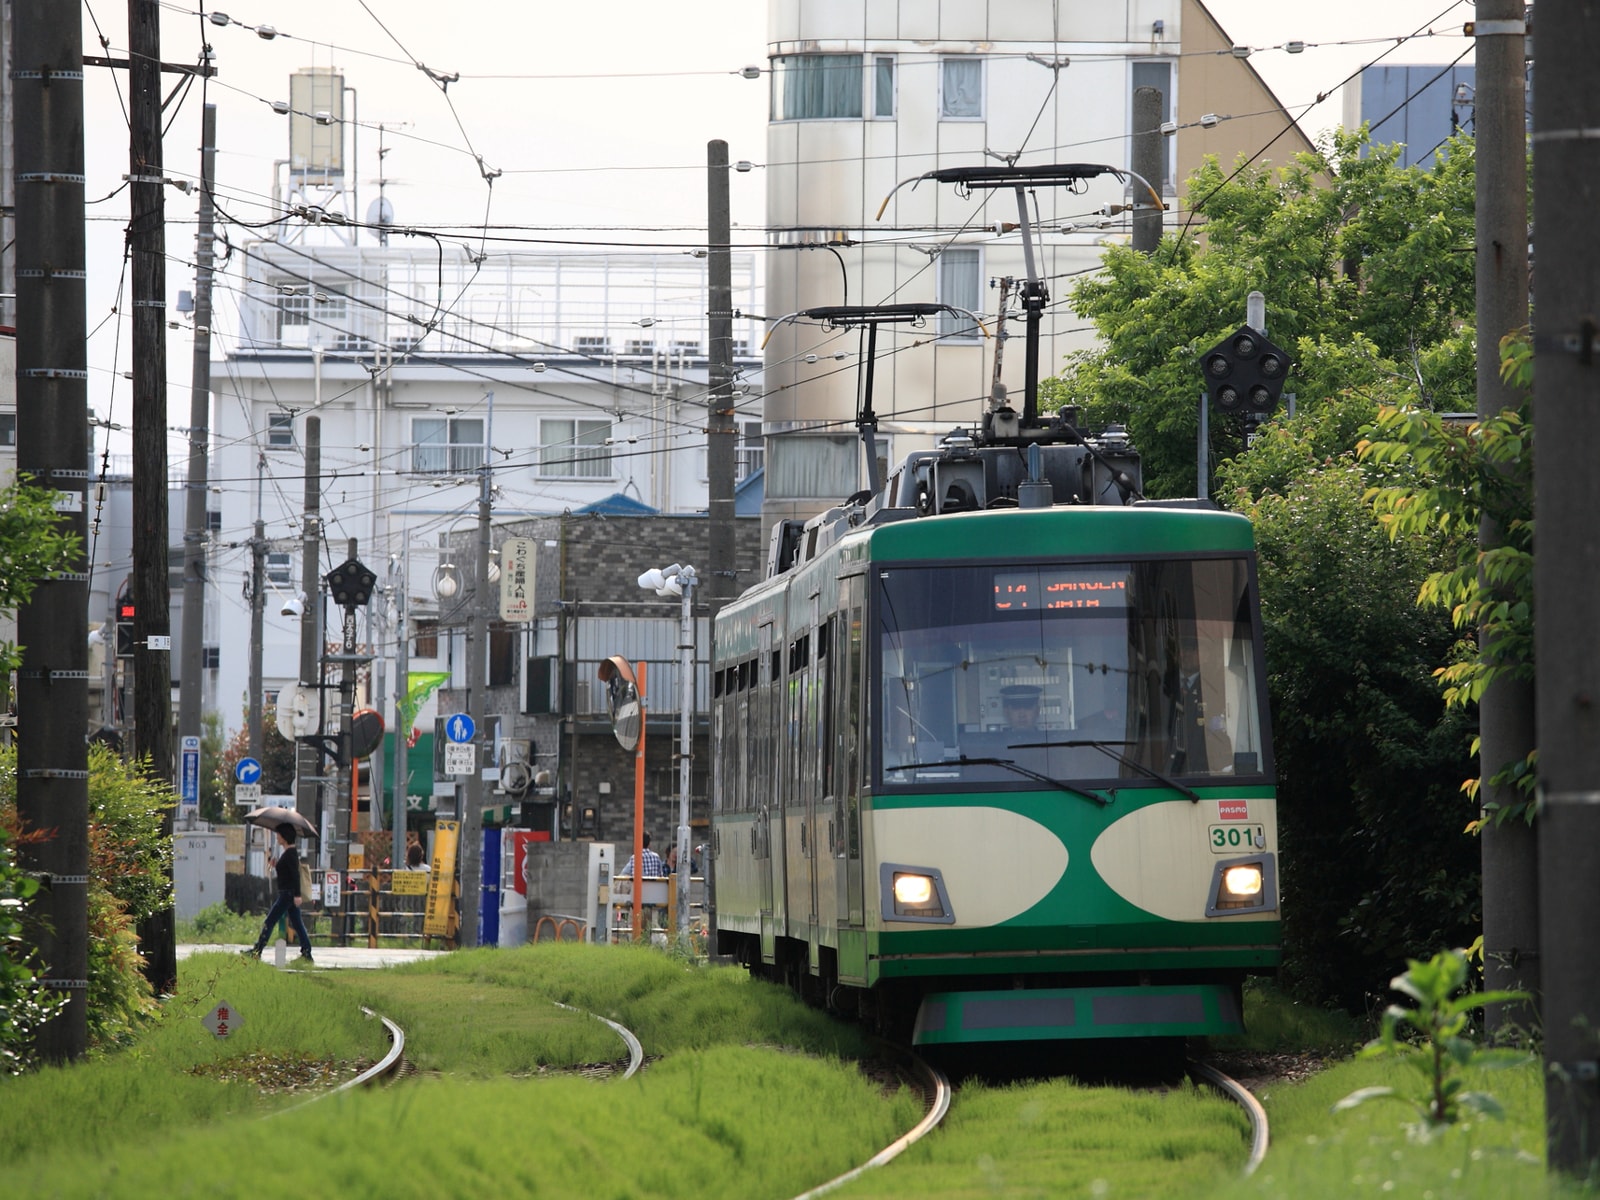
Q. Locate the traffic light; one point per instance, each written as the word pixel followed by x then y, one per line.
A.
pixel 1245 373
pixel 125 628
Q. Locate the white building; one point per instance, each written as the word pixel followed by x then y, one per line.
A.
pixel 583 375
pixel 866 94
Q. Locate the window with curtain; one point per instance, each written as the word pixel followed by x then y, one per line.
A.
pixel 816 87
pixel 883 86
pixel 575 449
pixel 441 445
pixel 961 286
pixel 426 642
pixel 961 89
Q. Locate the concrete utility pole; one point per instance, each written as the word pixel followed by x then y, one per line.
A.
pixel 1567 573
pixel 402 669
pixel 152 627
pixel 258 603
pixel 477 694
pixel 722 431
pixel 196 534
pixel 1150 161
pixel 307 758
pixel 1510 851
pixel 53 448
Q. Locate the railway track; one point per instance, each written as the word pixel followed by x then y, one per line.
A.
pixel 1241 1096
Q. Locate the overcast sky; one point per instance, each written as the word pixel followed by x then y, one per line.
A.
pixel 596 115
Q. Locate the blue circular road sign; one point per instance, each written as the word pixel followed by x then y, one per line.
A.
pixel 248 771
pixel 459 727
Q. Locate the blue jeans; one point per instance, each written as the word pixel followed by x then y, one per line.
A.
pixel 284 905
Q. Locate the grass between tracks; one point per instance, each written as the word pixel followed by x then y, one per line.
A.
pixel 726 1108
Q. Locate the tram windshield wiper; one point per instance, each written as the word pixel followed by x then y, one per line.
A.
pixel 1108 749
pixel 1010 765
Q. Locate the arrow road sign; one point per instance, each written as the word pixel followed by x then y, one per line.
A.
pixel 248 771
pixel 459 728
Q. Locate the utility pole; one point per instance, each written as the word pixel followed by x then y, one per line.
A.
pixel 308 758
pixel 1149 161
pixel 402 668
pixel 1566 573
pixel 196 533
pixel 477 694
pixel 152 627
pixel 53 448
pixel 258 603
pixel 1509 850
pixel 722 431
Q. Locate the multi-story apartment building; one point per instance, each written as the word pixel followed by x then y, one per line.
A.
pixel 868 94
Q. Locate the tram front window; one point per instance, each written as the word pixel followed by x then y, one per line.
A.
pixel 1081 671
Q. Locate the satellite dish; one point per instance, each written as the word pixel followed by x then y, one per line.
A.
pixel 298 713
pixel 380 212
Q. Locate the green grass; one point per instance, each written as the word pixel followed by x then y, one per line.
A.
pixel 1274 1023
pixel 727 1107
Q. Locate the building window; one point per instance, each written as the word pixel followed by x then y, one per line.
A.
pixel 211 658
pixel 502 653
pixel 8 429
pixel 960 286
pixel 961 89
pixel 883 86
pixel 446 445
pixel 280 431
pixel 213 521
pixel 816 87
pixel 575 449
pixel 280 568
pixel 752 452
pixel 302 306
pixel 1156 75
pixel 426 643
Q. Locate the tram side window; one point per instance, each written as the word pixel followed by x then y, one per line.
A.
pixel 825 689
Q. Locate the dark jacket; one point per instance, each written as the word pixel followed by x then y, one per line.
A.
pixel 289 871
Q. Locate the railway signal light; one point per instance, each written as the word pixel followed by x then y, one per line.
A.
pixel 1245 373
pixel 125 628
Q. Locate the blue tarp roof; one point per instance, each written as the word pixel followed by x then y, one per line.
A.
pixel 619 505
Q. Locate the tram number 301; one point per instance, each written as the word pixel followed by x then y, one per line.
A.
pixel 1227 839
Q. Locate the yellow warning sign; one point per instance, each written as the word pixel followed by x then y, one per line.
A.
pixel 441 880
pixel 410 883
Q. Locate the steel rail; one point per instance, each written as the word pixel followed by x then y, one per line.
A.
pixel 635 1051
pixel 936 1097
pixel 389 1064
pixel 1240 1094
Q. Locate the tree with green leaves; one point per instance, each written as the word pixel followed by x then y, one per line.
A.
pixel 33 546
pixel 1367 268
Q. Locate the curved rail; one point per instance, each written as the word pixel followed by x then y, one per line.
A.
pixel 936 1094
pixel 635 1051
pixel 388 1065
pixel 1240 1094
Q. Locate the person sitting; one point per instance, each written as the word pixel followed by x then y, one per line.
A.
pixel 1019 705
pixel 650 861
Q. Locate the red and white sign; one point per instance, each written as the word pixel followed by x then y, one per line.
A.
pixel 330 889
pixel 1233 810
pixel 222 1020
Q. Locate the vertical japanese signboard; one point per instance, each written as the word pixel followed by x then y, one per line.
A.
pixel 441 880
pixel 516 579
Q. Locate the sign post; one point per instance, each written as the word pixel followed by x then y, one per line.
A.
pixel 625 698
pixel 189 781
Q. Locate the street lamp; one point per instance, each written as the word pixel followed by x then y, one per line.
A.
pixel 670 582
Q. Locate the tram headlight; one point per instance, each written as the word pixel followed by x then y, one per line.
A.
pixel 914 893
pixel 1242 881
pixel 1243 885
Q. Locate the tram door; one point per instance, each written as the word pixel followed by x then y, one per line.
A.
pixel 768 786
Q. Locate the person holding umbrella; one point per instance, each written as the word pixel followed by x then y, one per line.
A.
pixel 288 901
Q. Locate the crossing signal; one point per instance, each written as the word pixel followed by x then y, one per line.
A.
pixel 125 629
pixel 1245 373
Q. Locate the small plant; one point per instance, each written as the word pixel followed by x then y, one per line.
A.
pixel 1445 1048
